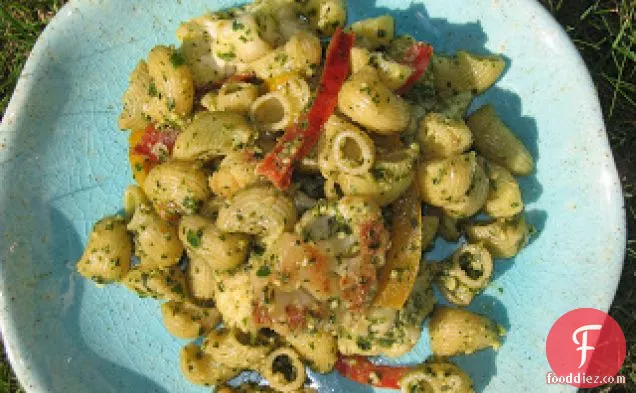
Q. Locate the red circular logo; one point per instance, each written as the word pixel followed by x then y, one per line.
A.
pixel 585 348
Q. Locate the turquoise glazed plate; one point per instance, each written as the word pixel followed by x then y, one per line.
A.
pixel 63 165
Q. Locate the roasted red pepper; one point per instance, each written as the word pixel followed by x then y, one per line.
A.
pixel 418 58
pixel 155 144
pixel 301 137
pixel 361 370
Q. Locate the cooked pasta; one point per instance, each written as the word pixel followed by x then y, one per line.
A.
pixel 441 137
pixel 466 72
pixel 107 254
pixel 326 15
pixel 166 283
pixel 456 331
pixel 255 388
pixel 187 320
pixel 238 39
pixel 236 171
pixel 281 107
pixel 503 237
pixel 176 188
pixel 203 240
pixel 504 197
pixel 368 102
pixel 234 296
pixel 374 33
pixel 284 370
pixel 447 180
pixel 156 241
pixel 134 196
pixel 347 149
pixel 474 198
pixel 320 16
pixel 465 274
pixel 161 90
pixel 495 141
pixel 319 349
pixel 213 134
pixel 288 190
pixel 201 279
pixel 384 331
pixel 391 174
pixel 235 97
pixel 236 349
pixel 135 98
pixel 201 368
pixel 196 48
pixel 262 211
pixel 301 55
pixel 436 376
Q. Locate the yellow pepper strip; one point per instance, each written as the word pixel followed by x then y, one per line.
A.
pixel 403 258
pixel 139 164
pixel 276 82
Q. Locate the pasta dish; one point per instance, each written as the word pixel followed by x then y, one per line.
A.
pixel 291 172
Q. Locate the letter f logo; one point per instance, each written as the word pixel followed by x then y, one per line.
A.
pixel 587 344
pixel 584 348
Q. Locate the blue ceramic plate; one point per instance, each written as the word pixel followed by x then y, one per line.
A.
pixel 63 166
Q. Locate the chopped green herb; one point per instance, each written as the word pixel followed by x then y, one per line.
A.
pixel 191 205
pixel 194 237
pixel 171 104
pixel 236 25
pixel 152 89
pixel 226 55
pixel 177 59
pixel 263 271
pixel 363 343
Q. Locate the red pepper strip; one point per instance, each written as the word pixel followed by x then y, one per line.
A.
pixel 155 144
pixel 417 57
pixel 301 137
pixel 361 370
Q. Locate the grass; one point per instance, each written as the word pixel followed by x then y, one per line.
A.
pixel 604 33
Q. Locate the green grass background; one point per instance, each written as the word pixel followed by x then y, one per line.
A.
pixel 604 33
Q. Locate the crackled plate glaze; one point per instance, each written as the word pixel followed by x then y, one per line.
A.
pixel 63 166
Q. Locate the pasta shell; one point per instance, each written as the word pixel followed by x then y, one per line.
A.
pixel 135 97
pixel 106 257
pixel 161 283
pixel 436 376
pixel 176 188
pixel 497 143
pixel 213 134
pixel 261 211
pixel 456 331
pixel 201 369
pixel 156 241
pixel 504 197
pixel 441 137
pixel 187 320
pixel 468 271
pixel 368 102
pixel 504 238
pixel 204 241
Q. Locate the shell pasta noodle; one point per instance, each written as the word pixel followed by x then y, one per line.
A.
pixel 291 169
